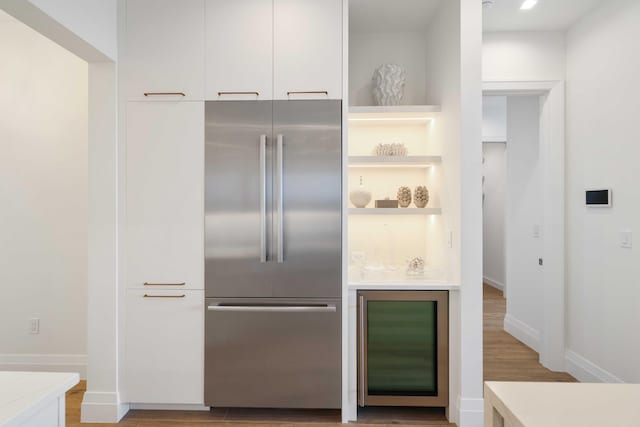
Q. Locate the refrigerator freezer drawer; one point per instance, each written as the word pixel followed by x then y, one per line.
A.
pixel 273 353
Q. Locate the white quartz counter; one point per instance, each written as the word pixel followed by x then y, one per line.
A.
pixel 34 398
pixel 516 404
pixel 404 286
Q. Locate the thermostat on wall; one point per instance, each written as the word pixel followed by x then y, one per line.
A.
pixel 598 198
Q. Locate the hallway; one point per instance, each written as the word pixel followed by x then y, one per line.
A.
pixel 506 358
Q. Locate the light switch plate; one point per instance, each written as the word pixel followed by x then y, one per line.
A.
pixel 626 239
pixel 536 231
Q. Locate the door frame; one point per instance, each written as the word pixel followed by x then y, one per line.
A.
pixel 552 148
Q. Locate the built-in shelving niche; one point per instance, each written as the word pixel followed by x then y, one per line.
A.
pixel 383 240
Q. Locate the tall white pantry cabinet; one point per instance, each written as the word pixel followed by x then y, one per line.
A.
pixel 178 54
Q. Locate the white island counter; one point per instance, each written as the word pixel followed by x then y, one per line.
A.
pixel 34 399
pixel 517 404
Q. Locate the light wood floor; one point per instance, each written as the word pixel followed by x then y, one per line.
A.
pixel 505 359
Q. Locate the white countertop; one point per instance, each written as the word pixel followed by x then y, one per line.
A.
pixel 565 404
pixel 23 393
pixel 423 285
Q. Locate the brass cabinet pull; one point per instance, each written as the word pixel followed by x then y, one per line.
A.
pixel 164 284
pixel 164 296
pixel 238 93
pixel 308 92
pixel 164 93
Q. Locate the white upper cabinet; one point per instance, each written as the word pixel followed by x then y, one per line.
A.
pixel 164 52
pixel 165 195
pixel 239 45
pixel 307 49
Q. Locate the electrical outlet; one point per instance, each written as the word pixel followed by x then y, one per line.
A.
pixel 626 239
pixel 34 326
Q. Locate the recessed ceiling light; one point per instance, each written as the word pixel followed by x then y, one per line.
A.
pixel 528 4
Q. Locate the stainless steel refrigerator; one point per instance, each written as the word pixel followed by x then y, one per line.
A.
pixel 273 254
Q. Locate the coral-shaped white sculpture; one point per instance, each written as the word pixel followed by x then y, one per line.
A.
pixel 388 84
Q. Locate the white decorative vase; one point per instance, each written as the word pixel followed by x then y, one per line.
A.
pixel 388 84
pixel 360 197
pixel 421 196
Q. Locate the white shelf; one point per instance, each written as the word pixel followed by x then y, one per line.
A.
pixel 395 110
pixel 393 161
pixel 393 115
pixel 423 285
pixel 395 211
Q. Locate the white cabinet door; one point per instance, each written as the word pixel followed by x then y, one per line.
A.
pixel 165 195
pixel 308 49
pixel 164 49
pixel 164 347
pixel 239 49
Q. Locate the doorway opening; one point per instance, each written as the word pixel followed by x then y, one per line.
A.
pixel 44 193
pixel 523 209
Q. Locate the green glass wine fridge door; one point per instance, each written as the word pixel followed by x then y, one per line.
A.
pixel 403 348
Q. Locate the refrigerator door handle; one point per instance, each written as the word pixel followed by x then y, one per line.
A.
pixel 263 198
pixel 273 308
pixel 362 354
pixel 280 195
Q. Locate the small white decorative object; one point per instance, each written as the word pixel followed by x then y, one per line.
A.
pixel 360 197
pixel 416 267
pixel 421 196
pixel 395 149
pixel 388 84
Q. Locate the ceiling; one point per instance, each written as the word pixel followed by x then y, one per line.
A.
pixel 391 15
pixel 547 15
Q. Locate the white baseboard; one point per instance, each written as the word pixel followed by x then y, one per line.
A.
pixel 586 371
pixel 168 407
pixel 470 412
pixel 102 407
pixel 45 362
pixel 493 283
pixel 522 332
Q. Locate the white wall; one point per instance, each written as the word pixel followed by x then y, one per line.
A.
pixel 494 206
pixel 494 118
pixel 523 56
pixel 370 50
pixel 454 81
pixel 93 20
pixel 603 89
pixel 86 27
pixel 524 212
pixel 43 194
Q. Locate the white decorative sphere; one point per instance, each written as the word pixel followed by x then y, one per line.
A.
pixel 360 198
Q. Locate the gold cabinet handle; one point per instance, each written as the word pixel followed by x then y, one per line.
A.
pixel 310 92
pixel 164 284
pixel 164 93
pixel 164 296
pixel 238 93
